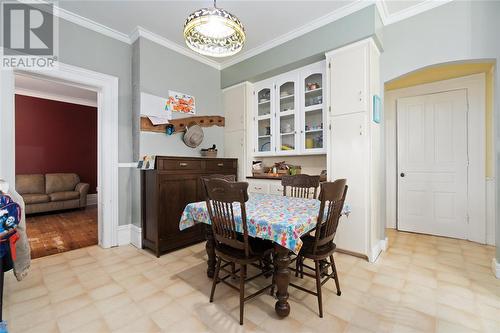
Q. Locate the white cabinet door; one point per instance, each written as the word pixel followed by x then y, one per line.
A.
pixel 276 188
pixel 349 80
pixel 264 125
pixel 234 147
pixel 312 109
pixel 432 164
pixel 349 159
pixel 287 115
pixel 234 105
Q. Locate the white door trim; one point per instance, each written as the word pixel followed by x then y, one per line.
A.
pixel 106 87
pixel 475 86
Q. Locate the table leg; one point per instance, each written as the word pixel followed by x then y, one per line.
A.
pixel 210 247
pixel 282 260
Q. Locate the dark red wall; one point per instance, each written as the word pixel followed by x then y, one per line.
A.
pixel 54 136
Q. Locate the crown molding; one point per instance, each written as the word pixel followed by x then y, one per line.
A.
pixel 92 25
pixel 412 11
pixel 313 25
pixel 141 32
pixel 83 21
pixel 381 6
pixel 383 11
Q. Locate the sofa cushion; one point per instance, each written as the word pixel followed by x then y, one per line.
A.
pixel 63 196
pixel 30 184
pixel 35 198
pixel 60 182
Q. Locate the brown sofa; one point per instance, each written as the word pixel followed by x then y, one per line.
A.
pixel 53 191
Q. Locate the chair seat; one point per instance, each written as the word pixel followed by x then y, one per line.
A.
pixel 258 246
pixel 321 253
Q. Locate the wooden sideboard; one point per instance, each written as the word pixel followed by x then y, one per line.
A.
pixel 165 192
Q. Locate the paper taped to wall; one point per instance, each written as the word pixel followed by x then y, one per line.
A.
pixel 155 106
pixel 158 120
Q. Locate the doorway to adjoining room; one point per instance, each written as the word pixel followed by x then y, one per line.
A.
pixel 56 163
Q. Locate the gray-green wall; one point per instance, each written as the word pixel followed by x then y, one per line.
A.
pixel 161 70
pixel 88 49
pixel 305 49
pixel 156 70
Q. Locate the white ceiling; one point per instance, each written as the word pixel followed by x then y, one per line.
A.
pixel 38 87
pixel 264 21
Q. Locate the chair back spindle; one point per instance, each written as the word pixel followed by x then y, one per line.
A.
pixel 301 186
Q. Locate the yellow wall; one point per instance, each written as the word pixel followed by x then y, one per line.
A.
pixel 451 71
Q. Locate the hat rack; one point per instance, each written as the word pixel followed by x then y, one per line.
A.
pixel 181 123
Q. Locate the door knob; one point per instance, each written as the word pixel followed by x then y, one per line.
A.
pixel 402 174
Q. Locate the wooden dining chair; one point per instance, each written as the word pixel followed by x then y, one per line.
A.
pixel 301 186
pixel 320 246
pixel 232 245
pixel 229 178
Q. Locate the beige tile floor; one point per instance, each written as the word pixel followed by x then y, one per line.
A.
pixel 421 284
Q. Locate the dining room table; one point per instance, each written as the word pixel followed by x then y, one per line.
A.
pixel 280 219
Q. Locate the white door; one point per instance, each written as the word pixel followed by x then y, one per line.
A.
pixel 432 164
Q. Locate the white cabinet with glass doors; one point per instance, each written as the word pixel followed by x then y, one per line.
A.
pixel 289 116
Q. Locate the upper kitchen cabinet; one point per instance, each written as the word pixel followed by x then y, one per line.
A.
pixel 313 116
pixel 349 67
pixel 287 117
pixel 289 113
pixel 264 101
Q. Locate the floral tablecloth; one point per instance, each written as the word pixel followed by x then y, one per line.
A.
pixel 278 218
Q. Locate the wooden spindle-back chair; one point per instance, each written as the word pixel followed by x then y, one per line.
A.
pixel 301 186
pixel 229 178
pixel 320 246
pixel 232 245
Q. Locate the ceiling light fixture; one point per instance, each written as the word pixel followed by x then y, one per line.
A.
pixel 214 32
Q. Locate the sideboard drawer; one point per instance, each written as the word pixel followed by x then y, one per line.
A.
pixel 180 165
pixel 220 164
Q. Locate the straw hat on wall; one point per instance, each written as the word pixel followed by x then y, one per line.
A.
pixel 193 136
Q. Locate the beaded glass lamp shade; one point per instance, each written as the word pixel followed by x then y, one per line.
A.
pixel 214 32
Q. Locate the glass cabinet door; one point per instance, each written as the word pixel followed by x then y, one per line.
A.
pixel 286 115
pixel 313 115
pixel 264 128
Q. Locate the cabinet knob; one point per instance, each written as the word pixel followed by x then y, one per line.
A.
pixel 220 164
pixel 402 174
pixel 182 164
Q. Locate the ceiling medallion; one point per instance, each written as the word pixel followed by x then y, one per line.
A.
pixel 214 32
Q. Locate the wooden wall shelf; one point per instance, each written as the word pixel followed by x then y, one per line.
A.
pixel 181 123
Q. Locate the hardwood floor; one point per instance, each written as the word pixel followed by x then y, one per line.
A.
pixel 57 232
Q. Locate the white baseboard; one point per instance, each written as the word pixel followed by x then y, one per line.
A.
pixel 130 234
pixel 136 236
pixel 380 246
pixel 384 243
pixel 490 211
pixel 91 199
pixel 495 265
pixel 123 234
